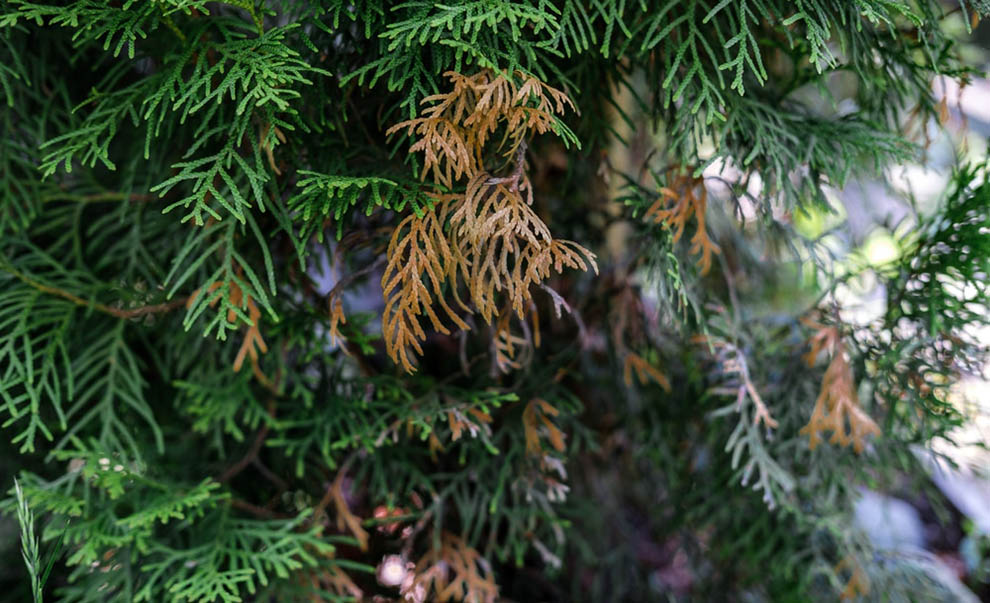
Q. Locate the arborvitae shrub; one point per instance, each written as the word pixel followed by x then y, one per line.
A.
pixel 477 300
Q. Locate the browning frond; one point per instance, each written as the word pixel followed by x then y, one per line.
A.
pixel 337 581
pixel 511 351
pixel 644 371
pixel 253 344
pixel 346 520
pixel 452 133
pixel 456 572
pixel 838 401
pixel 505 246
pixel 472 420
pixel 739 383
pixel 417 251
pixel 494 242
pixel 690 198
pixel 536 423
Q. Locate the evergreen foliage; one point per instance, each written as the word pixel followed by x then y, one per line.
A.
pixel 323 300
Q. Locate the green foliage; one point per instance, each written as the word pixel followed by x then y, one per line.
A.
pixel 939 293
pixel 243 553
pixel 335 196
pixel 29 544
pixel 197 202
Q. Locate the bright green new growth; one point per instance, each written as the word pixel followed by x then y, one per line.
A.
pixel 196 204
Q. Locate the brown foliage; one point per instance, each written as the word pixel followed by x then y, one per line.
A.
pixel 510 350
pixel 538 412
pixel 489 238
pixel 460 422
pixel 690 198
pixel 456 572
pixel 838 401
pixel 418 249
pixel 253 344
pixel 454 130
pixel 740 384
pixel 332 578
pixel 346 520
pixel 644 371
pixel 504 246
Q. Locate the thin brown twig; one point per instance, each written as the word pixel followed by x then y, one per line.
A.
pixel 256 510
pixel 558 303
pixel 269 474
pixel 517 172
pixel 252 453
pixel 79 301
pixel 411 537
pixel 353 276
pixel 321 506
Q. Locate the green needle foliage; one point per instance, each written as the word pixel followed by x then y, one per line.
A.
pixel 468 301
pixel 29 544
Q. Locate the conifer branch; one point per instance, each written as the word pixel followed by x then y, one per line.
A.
pixel 476 152
pixel 251 456
pixel 122 313
pixel 257 511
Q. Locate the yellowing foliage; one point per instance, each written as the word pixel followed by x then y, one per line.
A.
pixel 337 317
pixel 489 238
pixel 536 422
pixel 690 198
pixel 454 130
pixel 838 402
pixel 456 572
pixel 644 371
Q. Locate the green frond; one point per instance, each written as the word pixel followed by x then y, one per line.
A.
pixel 321 196
pixel 37 373
pixel 29 543
pixel 236 558
pixel 226 281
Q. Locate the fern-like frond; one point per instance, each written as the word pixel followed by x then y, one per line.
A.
pixel 417 252
pixel 214 253
pixel 37 365
pixel 111 393
pixel 838 402
pixel 330 196
pixel 456 572
pixel 114 26
pixel 537 425
pixel 690 198
pixel 234 560
pixel 429 22
pixel 505 246
pixel 454 130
